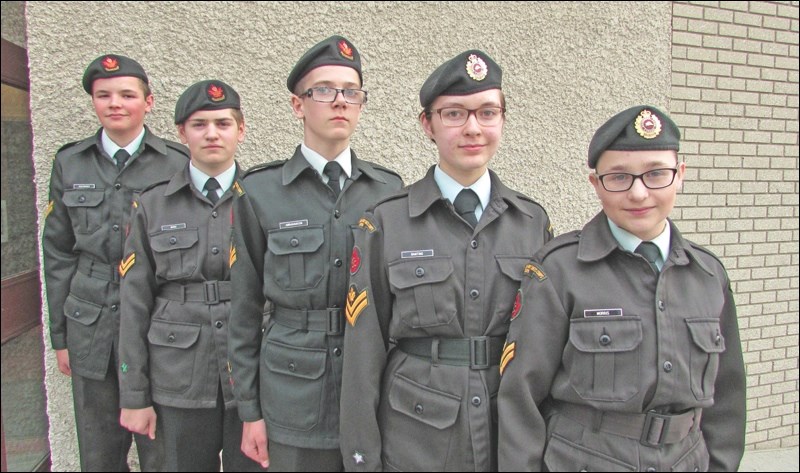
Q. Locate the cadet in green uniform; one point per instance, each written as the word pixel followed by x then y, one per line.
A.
pixel 433 277
pixel 623 352
pixel 91 188
pixel 294 234
pixel 176 295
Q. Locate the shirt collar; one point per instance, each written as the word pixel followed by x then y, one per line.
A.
pixel 318 162
pixel 111 148
pixel 450 187
pixel 199 178
pixel 630 242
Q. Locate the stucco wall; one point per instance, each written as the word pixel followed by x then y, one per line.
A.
pixel 567 68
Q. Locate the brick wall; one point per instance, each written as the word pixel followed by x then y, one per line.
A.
pixel 734 95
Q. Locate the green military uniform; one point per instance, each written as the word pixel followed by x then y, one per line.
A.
pixel 615 363
pixel 422 279
pixel 670 347
pixel 293 242
pixel 82 245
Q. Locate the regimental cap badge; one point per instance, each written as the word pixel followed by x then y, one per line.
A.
pixel 476 67
pixel 216 93
pixel 110 64
pixel 345 50
pixel 647 125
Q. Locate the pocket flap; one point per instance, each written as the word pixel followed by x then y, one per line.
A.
pixel 706 334
pixel 173 334
pixel 81 311
pixel 174 240
pixel 295 240
pixel 562 455
pixel 605 335
pixel 429 406
pixel 404 274
pixel 308 363
pixel 512 266
pixel 83 197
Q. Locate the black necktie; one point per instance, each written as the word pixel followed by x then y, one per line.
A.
pixel 211 186
pixel 651 253
pixel 333 171
pixel 121 157
pixel 466 202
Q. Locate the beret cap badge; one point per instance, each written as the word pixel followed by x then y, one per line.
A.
pixel 647 125
pixel 476 67
pixel 216 93
pixel 110 64
pixel 345 50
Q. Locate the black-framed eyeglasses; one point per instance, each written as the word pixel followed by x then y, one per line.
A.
pixel 328 94
pixel 652 179
pixel 457 116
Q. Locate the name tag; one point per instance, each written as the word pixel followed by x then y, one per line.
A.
pixel 602 313
pixel 174 226
pixel 416 253
pixel 293 224
pixel 83 186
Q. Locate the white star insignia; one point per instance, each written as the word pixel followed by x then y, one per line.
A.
pixel 358 458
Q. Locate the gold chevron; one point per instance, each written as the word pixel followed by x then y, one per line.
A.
pixel 508 354
pixel 127 264
pixel 355 304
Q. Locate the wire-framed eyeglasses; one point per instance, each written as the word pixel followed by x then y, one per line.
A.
pixel 652 179
pixel 457 116
pixel 328 94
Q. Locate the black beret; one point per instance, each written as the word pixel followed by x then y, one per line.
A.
pixel 205 95
pixel 639 128
pixel 468 73
pixel 111 65
pixel 334 51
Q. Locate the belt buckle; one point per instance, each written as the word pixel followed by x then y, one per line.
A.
pixel 211 292
pixel 479 353
pixel 648 425
pixel 335 322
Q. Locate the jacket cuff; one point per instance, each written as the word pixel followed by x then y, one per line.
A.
pixel 135 399
pixel 58 340
pixel 249 411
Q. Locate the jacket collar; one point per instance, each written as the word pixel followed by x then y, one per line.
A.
pixel 298 164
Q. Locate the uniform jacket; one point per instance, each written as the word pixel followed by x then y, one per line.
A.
pixel 667 342
pixel 424 272
pixel 174 352
pixel 293 244
pixel 83 238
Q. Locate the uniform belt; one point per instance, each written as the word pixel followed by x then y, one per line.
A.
pixel 330 321
pixel 479 353
pixel 95 269
pixel 652 429
pixel 209 292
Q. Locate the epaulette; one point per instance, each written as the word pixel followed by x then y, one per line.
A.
pixel 705 250
pixel 524 197
pixel 565 239
pixel 182 149
pixel 261 167
pixel 155 184
pixel 72 143
pixel 402 193
pixel 386 170
pixel 75 147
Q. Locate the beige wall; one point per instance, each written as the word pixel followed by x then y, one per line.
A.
pixel 567 67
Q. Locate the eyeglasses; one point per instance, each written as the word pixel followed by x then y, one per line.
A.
pixel 456 116
pixel 652 179
pixel 328 94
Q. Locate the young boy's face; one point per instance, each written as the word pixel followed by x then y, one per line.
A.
pixel 465 151
pixel 327 123
pixel 120 104
pixel 639 210
pixel 212 137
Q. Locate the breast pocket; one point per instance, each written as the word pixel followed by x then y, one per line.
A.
pixel 295 258
pixel 603 357
pixel 706 345
pixel 175 253
pixel 84 209
pixel 172 357
pixel 504 288
pixel 423 297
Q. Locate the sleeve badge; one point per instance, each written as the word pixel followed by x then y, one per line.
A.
pixel 127 264
pixel 534 271
pixel 232 257
pixel 366 224
pixel 508 354
pixel 517 305
pixel 355 261
pixel 355 304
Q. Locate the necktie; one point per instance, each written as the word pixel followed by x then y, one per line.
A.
pixel 333 171
pixel 651 253
pixel 211 186
pixel 121 157
pixel 466 202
